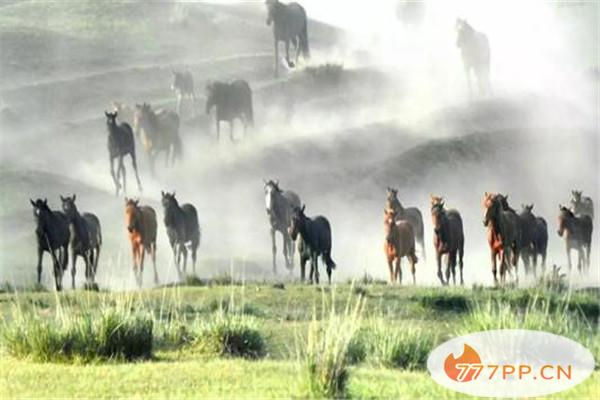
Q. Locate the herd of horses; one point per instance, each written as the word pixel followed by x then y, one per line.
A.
pixel 511 235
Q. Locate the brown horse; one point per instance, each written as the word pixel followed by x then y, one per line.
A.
pixel 141 225
pixel 399 242
pixel 577 232
pixel 411 214
pixel 502 234
pixel 448 239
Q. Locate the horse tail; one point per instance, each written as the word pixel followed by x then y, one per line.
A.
pixel 304 39
pixel 328 260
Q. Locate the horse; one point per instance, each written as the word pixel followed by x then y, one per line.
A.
pixel 280 205
pixel 528 226
pixel 183 86
pixel 53 235
pixel 449 238
pixel 120 144
pixel 502 235
pixel 231 100
pixel 158 131
pixel 577 232
pixel 86 239
pixel 183 230
pixel 475 51
pixel 410 214
pixel 539 238
pixel 290 25
pixel 582 205
pixel 316 238
pixel 141 225
pixel 399 242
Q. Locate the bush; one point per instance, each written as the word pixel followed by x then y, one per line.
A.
pixel 405 348
pixel 115 334
pixel 228 334
pixel 325 358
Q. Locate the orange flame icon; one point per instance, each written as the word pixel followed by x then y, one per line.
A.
pixel 465 367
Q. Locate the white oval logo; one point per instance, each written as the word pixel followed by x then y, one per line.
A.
pixel 510 363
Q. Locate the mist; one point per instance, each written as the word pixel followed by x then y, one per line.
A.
pixel 399 116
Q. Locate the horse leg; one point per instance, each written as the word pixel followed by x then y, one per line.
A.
pixel 580 257
pixel 194 250
pixel 285 250
pixel 174 248
pixel 399 270
pixel 297 49
pixel 231 125
pixel 123 172
pixel 184 254
pixel 390 261
pixel 276 66
pixel 438 259
pixel 178 106
pixel 494 267
pixel 73 270
pixel 135 169
pixel 141 270
pixel 302 268
pixel 413 270
pixel 274 250
pixel 134 252
pixel 292 251
pixel 422 243
pixel 315 262
pixel 468 76
pixel 40 254
pixel 569 257
pixel 460 264
pixel 153 254
pixel 114 177
pixel 287 54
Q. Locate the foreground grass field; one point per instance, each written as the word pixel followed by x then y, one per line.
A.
pixel 282 315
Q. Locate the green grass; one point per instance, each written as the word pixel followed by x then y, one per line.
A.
pixel 382 356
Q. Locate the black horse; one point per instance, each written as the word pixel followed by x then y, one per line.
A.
pixel 232 101
pixel 52 233
pixel 183 86
pixel 120 143
pixel 476 55
pixel 183 230
pixel 289 26
pixel 316 241
pixel 86 239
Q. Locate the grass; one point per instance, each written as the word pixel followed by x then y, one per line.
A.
pixel 194 356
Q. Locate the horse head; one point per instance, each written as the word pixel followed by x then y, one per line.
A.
pixel 576 196
pixel 435 200
pixel 271 190
pixel 271 7
pixel 68 205
pixel 564 216
pixel 464 31
pixel 527 208
pixel 168 199
pixel 437 217
pixel 40 210
pixel 111 118
pixel 298 222
pixel 491 206
pixel 389 222
pixel 133 214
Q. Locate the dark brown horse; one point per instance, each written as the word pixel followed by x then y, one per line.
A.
pixel 539 239
pixel 448 239
pixel 289 26
pixel 399 242
pixel 86 239
pixel 231 100
pixel 577 232
pixel 502 234
pixel 52 234
pixel 141 225
pixel 120 144
pixel 158 131
pixel 411 214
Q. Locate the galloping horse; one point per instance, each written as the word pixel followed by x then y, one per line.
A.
pixel 316 240
pixel 539 239
pixel 582 205
pixel 410 214
pixel 120 143
pixel 399 242
pixel 52 234
pixel 232 101
pixel 280 205
pixel 577 232
pixel 158 131
pixel 289 25
pixel 86 239
pixel 502 235
pixel 475 50
pixel 449 238
pixel 141 225
pixel 183 86
pixel 183 229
